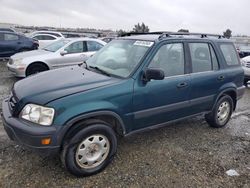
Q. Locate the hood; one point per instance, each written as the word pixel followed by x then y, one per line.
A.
pixel 50 85
pixel 31 53
pixel 247 58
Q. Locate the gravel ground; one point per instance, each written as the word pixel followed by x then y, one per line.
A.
pixel 184 154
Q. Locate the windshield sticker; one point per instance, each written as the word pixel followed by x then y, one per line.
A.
pixel 143 43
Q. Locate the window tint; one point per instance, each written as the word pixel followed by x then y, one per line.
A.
pixel 200 55
pixel 94 46
pixel 229 54
pixel 76 47
pixel 214 58
pixel 170 58
pixel 10 37
pixel 47 37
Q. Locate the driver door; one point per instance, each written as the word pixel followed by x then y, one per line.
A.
pixel 73 54
pixel 159 101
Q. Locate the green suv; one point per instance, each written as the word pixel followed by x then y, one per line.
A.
pixel 134 83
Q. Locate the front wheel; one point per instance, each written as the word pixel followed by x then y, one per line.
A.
pixel 36 68
pixel 90 150
pixel 221 113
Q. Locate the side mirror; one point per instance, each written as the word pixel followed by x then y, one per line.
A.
pixel 64 52
pixel 153 73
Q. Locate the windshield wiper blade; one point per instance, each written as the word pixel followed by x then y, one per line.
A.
pixel 100 70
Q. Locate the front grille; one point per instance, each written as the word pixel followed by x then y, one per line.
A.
pixel 12 103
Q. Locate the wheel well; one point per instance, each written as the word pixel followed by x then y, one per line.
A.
pixel 36 63
pixel 108 119
pixel 233 95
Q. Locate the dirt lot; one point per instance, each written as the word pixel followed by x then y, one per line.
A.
pixel 184 154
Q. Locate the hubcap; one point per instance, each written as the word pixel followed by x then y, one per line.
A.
pixel 92 151
pixel 223 112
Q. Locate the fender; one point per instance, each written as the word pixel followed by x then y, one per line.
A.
pixel 224 91
pixel 72 121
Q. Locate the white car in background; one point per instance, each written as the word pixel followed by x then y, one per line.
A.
pixel 64 52
pixel 245 61
pixel 55 33
pixel 45 39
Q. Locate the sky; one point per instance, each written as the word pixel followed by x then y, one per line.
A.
pixel 207 16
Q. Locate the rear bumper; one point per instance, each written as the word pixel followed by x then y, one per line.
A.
pixel 29 135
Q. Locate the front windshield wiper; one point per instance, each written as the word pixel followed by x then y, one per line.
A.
pixel 86 65
pixel 100 70
pixel 45 49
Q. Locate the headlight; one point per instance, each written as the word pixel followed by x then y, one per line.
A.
pixel 17 61
pixel 38 114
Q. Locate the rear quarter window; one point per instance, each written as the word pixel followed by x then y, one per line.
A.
pixel 229 54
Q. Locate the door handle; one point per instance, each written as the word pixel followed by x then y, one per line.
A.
pixel 181 85
pixel 221 78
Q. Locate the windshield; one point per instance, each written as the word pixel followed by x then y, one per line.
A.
pixel 120 57
pixel 56 45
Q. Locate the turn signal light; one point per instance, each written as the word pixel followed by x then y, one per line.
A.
pixel 46 141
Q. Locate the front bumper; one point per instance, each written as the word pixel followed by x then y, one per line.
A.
pixel 16 70
pixel 29 135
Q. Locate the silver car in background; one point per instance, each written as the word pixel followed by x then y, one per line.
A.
pixel 64 52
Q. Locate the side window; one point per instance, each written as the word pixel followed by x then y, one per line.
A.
pixel 38 37
pixel 229 54
pixel 170 58
pixel 200 55
pixel 47 37
pixel 9 37
pixel 76 47
pixel 214 58
pixel 93 46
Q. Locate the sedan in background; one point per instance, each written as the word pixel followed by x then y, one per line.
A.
pixel 12 43
pixel 45 39
pixel 246 66
pixel 64 52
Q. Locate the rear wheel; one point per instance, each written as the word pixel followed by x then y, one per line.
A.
pixel 90 150
pixel 221 113
pixel 36 68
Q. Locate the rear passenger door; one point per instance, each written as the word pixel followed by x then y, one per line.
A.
pixel 206 76
pixel 9 44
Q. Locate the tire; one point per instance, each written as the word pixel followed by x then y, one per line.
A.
pixel 245 82
pixel 81 153
pixel 221 113
pixel 36 68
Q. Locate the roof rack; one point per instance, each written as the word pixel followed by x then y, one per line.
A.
pixel 168 34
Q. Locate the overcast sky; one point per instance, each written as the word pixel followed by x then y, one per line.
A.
pixel 213 16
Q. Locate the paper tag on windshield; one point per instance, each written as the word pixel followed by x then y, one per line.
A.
pixel 143 43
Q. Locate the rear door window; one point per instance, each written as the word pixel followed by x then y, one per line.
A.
pixel 229 54
pixel 200 55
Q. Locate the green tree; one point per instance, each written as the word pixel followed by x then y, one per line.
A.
pixel 121 32
pixel 140 28
pixel 227 34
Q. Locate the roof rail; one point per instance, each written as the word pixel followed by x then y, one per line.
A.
pixel 202 35
pixel 168 34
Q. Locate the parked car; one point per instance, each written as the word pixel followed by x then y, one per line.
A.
pixel 71 35
pixel 7 30
pixel 107 39
pixel 11 43
pixel 64 52
pixel 244 51
pixel 79 111
pixel 45 39
pixel 55 33
pixel 246 66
